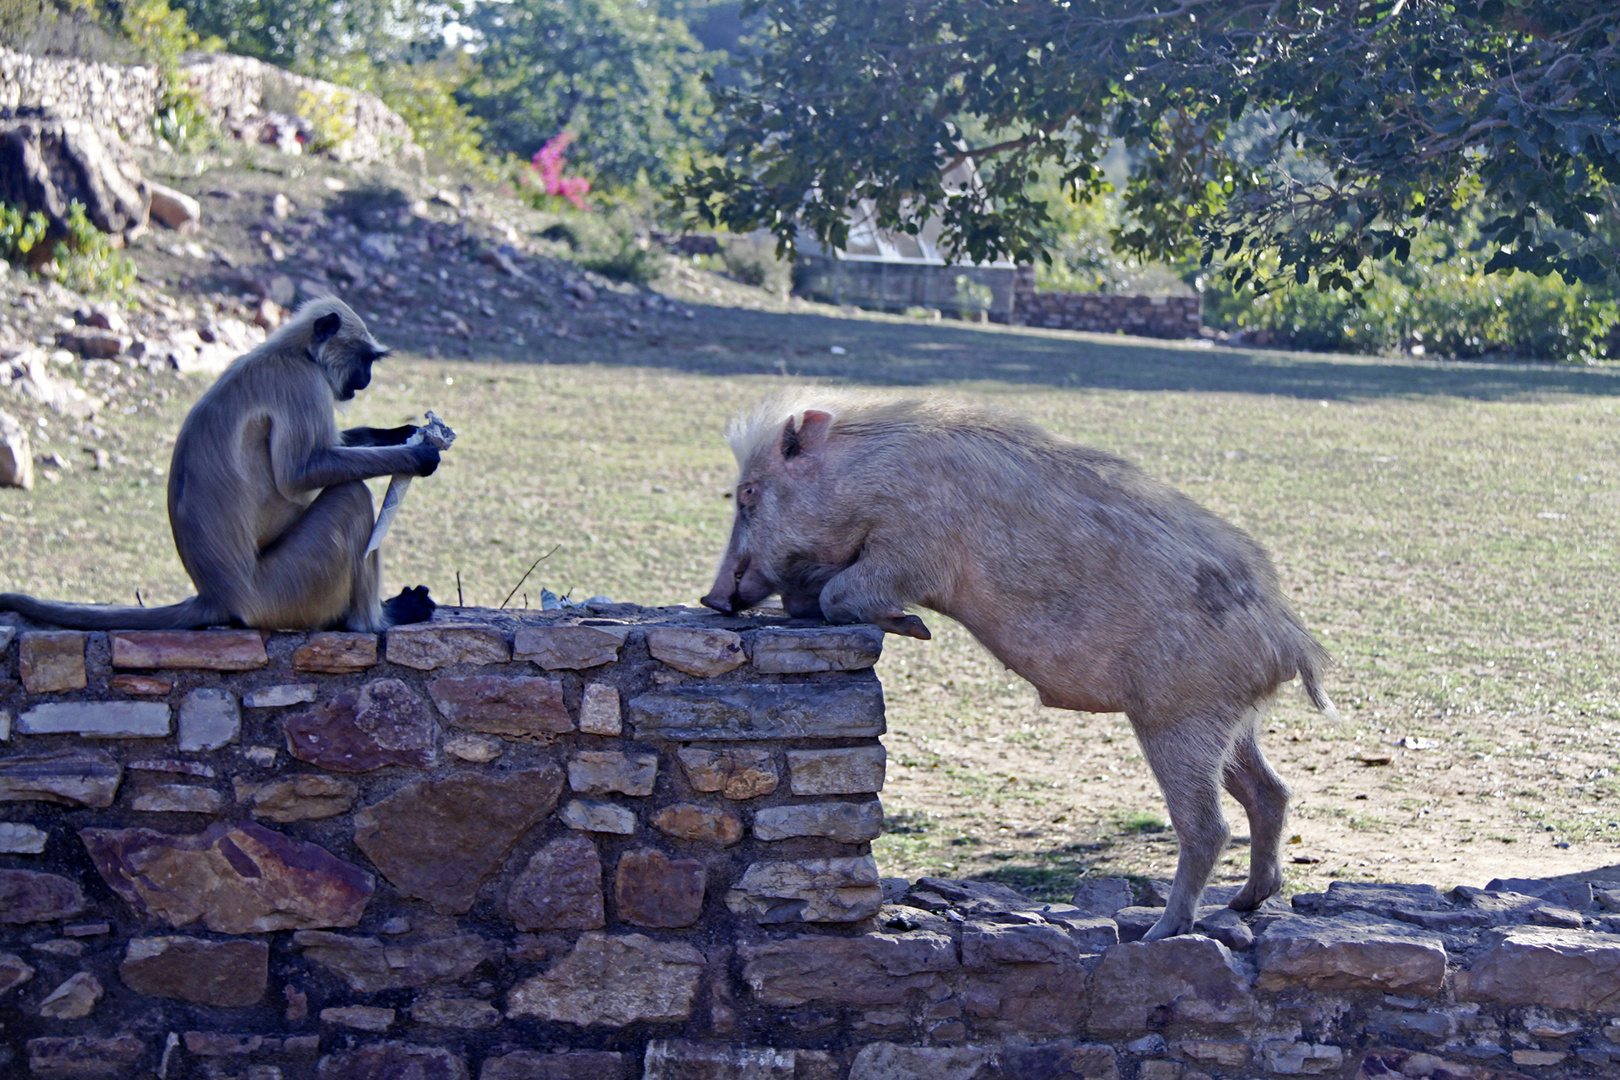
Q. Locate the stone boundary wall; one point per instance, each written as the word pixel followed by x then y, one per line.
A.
pixel 1106 313
pixel 241 95
pixel 103 94
pixel 626 844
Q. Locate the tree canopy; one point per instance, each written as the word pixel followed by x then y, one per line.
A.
pixel 1280 139
pixel 303 34
pixel 624 79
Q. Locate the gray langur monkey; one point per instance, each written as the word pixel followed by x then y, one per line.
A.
pixel 267 499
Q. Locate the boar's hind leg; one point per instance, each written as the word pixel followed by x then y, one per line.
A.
pixel 863 593
pixel 1264 797
pixel 1187 758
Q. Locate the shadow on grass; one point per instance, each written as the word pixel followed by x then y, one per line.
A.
pixel 877 352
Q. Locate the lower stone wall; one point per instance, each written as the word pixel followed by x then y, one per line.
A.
pixel 614 843
pixel 1107 313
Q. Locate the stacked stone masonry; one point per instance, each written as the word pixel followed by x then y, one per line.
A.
pixel 244 96
pixel 630 844
pixel 1106 313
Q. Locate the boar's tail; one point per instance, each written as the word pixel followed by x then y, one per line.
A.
pixel 1310 665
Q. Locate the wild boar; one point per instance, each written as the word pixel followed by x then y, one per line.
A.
pixel 1106 589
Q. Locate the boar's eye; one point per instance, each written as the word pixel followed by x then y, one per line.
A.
pixel 747 494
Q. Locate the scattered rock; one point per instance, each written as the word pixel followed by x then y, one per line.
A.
pixel 175 209
pixel 16 454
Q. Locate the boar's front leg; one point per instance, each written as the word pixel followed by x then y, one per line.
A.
pixel 1188 758
pixel 870 592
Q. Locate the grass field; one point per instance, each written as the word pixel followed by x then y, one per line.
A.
pixel 1450 531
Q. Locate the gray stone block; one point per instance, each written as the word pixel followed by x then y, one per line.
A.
pixel 760 711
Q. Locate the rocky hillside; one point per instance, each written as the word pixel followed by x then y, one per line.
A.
pixel 439 269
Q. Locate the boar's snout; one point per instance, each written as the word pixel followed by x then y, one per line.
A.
pixel 738 586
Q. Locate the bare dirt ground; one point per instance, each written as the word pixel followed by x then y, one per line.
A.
pixel 1449 530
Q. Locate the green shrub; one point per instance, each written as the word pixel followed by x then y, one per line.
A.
pixel 424 95
pixel 1439 303
pixel 752 260
pixel 84 259
pixel 625 258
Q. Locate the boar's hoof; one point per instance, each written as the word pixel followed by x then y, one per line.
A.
pixel 906 625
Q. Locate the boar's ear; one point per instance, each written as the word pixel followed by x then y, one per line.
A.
pixel 807 437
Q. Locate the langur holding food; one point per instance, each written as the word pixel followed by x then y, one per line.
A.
pixel 267 500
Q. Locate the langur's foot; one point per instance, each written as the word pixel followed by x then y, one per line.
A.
pixel 410 606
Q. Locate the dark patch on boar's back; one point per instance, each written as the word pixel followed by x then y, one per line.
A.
pixel 1217 592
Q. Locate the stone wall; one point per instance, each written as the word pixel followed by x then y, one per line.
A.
pixel 1107 313
pixel 617 843
pixel 244 96
pixel 104 94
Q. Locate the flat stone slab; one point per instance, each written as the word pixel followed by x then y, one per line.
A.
pixel 28 896
pixel 236 879
pixel 1555 968
pixel 437 840
pixel 759 711
pixel 846 822
pixel 70 777
pixel 1351 952
pixel 855 770
pixel 613 981
pixel 98 719
pixel 17 838
pixel 567 648
pixel 271 697
pixel 796 651
pixel 1141 986
pixel 223 974
pixel 426 647
pixel 560 888
pixel 370 965
pixel 840 889
pixel 335 653
pixel 206 650
pixel 697 651
pixel 736 773
pixel 524 706
pixel 51 661
pixel 606 772
pixel 863 971
pixel 209 719
pixel 384 722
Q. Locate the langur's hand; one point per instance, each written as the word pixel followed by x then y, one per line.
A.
pixel 427 458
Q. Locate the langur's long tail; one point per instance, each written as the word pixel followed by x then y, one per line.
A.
pixel 190 614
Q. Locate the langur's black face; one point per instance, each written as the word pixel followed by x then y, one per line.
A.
pixel 359 374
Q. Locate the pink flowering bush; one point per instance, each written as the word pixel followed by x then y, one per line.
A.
pixel 548 162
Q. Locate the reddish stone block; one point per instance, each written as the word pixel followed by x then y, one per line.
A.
pixel 567 648
pixel 651 889
pixel 140 685
pixel 336 653
pixel 207 650
pixel 384 722
pixel 51 661
pixel 560 889
pixel 699 824
pixel 521 705
pixel 426 646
